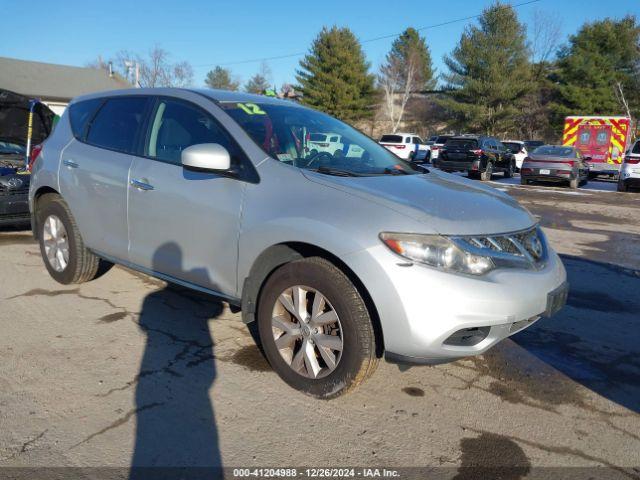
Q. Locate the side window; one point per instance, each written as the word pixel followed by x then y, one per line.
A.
pixel 636 147
pixel 417 140
pixel 80 113
pixel 116 124
pixel 177 125
pixel 601 137
pixel 334 140
pixel 584 137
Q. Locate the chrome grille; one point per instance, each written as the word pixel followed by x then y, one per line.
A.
pixel 527 245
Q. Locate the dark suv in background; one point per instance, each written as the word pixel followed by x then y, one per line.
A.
pixel 477 155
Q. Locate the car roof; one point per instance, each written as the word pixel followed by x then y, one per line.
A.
pixel 512 141
pixel 213 94
pixel 402 133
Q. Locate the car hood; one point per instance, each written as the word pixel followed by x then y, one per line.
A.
pixel 14 117
pixel 446 204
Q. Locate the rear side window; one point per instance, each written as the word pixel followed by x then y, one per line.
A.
pixel 417 140
pixel 391 139
pixel 442 139
pixel 317 137
pixel 177 125
pixel 636 147
pixel 117 123
pixel 80 113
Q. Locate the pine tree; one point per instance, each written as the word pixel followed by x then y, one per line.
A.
pixel 257 84
pixel 334 76
pixel 489 73
pixel 599 61
pixel 220 78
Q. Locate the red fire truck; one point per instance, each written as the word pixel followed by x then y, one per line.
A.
pixel 603 139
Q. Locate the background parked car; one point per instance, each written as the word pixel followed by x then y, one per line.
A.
pixel 479 156
pixel 630 170
pixel 555 163
pixel 518 149
pixel 14 177
pixel 325 142
pixel 438 143
pixel 407 146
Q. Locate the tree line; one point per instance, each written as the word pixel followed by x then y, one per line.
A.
pixel 502 78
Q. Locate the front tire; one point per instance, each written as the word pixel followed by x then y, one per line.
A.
pixel 315 328
pixel 63 251
pixel 622 187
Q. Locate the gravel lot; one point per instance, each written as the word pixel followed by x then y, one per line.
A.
pixel 127 369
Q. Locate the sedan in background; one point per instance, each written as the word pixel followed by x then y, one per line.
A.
pixel 555 163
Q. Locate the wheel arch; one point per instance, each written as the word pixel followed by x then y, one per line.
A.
pixel 39 193
pixel 277 255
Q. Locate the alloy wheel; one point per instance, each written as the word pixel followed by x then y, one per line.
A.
pixel 56 243
pixel 307 331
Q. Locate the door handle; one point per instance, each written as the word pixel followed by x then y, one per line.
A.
pixel 140 185
pixel 70 164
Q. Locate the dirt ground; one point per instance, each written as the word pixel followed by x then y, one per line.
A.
pixel 127 371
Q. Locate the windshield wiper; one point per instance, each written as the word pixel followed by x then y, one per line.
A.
pixel 335 171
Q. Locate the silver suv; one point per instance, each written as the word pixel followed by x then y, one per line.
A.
pixel 341 258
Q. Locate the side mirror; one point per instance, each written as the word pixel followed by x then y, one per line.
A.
pixel 207 157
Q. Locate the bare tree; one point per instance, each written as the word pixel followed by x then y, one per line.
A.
pixel 156 69
pixel 544 37
pixel 398 80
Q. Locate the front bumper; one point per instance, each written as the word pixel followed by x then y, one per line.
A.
pixel 14 207
pixel 421 308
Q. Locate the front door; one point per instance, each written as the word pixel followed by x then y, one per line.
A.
pixel 184 223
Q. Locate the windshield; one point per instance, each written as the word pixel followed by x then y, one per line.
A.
pixel 554 151
pixel 289 134
pixel 391 139
pixel 442 139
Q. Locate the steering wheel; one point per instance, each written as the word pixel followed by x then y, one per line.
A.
pixel 318 157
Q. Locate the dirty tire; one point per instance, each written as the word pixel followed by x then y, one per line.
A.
pixel 574 183
pixel 358 360
pixel 82 265
pixel 510 170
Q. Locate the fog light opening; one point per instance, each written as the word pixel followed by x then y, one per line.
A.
pixel 468 337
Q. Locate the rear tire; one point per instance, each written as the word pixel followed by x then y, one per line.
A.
pixel 510 170
pixel 299 359
pixel 63 251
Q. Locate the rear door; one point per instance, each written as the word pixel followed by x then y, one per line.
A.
pixel 94 172
pixel 185 223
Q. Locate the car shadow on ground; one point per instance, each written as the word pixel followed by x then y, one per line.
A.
pixel 176 431
pixel 595 339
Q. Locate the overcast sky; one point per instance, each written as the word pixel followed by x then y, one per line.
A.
pixel 206 33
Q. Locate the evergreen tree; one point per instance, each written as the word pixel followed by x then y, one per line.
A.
pixel 257 84
pixel 334 76
pixel 221 78
pixel 408 49
pixel 490 74
pixel 602 58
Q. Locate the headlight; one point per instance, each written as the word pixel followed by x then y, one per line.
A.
pixel 437 251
